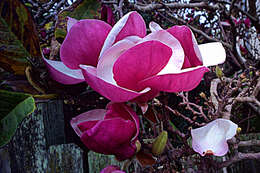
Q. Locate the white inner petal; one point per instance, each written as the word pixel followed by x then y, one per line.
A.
pixel 212 53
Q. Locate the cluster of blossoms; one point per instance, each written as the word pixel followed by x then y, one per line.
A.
pixel 123 64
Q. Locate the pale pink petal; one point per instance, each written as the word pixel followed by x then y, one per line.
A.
pixel 59 72
pixel 177 58
pixel 212 53
pixel 93 115
pixel 154 27
pixel 83 43
pixel 189 44
pixel 184 80
pixel 213 137
pixel 70 23
pixel 131 24
pixel 140 62
pixel 110 91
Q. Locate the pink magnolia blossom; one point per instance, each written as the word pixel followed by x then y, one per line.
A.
pixel 111 131
pixel 212 138
pixel 247 22
pixel 111 169
pixel 123 63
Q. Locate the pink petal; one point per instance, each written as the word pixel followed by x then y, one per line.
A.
pixel 83 43
pixel 70 23
pixel 124 111
pixel 90 116
pixel 140 62
pixel 131 24
pixel 189 44
pixel 59 72
pixel 213 137
pixel 185 80
pixel 111 136
pixel 176 61
pixel 212 53
pixel 109 90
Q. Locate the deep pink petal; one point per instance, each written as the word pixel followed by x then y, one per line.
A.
pixel 107 15
pixel 176 61
pixel 131 24
pixel 140 62
pixel 59 72
pixel 111 169
pixel 124 111
pixel 111 136
pixel 70 23
pixel 83 43
pixel 183 81
pixel 189 44
pixel 109 90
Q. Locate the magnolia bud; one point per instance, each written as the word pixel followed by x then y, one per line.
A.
pixel 239 129
pixel 203 95
pixel 160 143
pixel 219 72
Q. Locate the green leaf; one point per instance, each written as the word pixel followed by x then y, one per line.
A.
pixel 18 37
pixel 14 107
pixel 87 9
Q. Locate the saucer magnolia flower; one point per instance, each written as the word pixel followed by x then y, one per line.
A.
pixel 126 64
pixel 111 169
pixel 111 131
pixel 212 138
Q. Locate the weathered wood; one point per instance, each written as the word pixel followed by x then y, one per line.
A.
pixel 53 118
pixel 34 147
pixel 98 161
pixel 65 158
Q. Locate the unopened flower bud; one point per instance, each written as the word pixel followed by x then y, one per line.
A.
pixel 203 95
pixel 219 72
pixel 239 129
pixel 160 143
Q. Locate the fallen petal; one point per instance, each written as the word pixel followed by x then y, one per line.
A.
pixel 212 138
